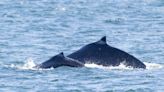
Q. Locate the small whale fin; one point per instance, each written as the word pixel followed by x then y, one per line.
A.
pixel 102 40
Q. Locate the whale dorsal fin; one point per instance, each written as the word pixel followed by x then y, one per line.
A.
pixel 102 40
pixel 61 54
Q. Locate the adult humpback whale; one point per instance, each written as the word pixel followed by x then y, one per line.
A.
pixel 102 54
pixel 60 60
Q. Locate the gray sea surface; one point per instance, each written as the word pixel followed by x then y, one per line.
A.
pixel 32 31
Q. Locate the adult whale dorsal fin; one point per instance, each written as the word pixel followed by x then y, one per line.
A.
pixel 102 40
pixel 61 54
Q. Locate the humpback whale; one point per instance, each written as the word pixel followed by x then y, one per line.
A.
pixel 60 60
pixel 101 53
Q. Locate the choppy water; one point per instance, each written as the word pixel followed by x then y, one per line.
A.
pixel 32 31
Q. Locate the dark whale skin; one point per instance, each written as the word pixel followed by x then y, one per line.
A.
pixel 60 60
pixel 102 54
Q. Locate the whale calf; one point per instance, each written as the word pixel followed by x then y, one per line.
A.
pixel 102 54
pixel 60 60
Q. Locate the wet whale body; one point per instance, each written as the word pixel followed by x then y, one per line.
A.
pixel 60 60
pixel 102 54
pixel 98 53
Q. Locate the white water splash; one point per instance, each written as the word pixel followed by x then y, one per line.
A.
pixel 29 64
pixel 149 66
pixel 120 67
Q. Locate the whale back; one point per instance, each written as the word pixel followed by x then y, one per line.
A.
pixel 60 60
pixel 102 54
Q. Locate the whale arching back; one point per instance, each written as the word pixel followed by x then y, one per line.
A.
pixel 102 54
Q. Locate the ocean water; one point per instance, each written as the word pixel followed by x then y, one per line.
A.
pixel 32 31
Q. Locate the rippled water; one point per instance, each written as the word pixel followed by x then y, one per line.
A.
pixel 32 31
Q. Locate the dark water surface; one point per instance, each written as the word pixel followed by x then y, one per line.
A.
pixel 32 31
